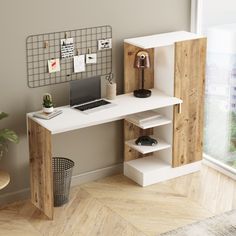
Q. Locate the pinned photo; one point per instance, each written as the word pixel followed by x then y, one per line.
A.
pixel 91 58
pixel 54 65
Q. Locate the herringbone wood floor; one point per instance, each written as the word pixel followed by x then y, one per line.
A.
pixel 116 206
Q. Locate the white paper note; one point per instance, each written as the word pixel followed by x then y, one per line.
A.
pixel 79 63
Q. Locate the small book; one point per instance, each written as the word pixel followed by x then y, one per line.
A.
pixel 47 116
pixel 143 117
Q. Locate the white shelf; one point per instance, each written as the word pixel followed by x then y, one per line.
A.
pixel 148 149
pixel 161 40
pixel 147 164
pixel 161 120
pixel 150 170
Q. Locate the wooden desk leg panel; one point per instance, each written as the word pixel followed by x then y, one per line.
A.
pixel 41 178
pixel 190 59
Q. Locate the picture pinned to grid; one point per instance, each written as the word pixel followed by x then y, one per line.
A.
pixel 42 48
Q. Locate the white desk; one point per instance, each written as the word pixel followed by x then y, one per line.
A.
pixel 40 131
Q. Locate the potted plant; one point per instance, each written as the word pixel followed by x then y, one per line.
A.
pixel 6 135
pixel 47 103
pixel 110 87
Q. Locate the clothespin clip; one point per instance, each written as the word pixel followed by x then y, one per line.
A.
pixel 46 44
pixel 66 35
pixel 78 51
pixel 88 50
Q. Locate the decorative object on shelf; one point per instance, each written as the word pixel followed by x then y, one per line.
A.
pixel 110 87
pixel 47 116
pixel 146 141
pixel 142 61
pixel 47 103
pixel 6 135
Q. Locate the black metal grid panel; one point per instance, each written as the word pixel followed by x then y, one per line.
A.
pixel 84 39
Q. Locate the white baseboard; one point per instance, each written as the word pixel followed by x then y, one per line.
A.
pixel 96 174
pixel 76 180
pixel 219 166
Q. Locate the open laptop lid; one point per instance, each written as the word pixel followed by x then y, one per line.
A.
pixel 85 90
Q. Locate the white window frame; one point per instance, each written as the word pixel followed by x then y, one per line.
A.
pixel 195 27
pixel 196 15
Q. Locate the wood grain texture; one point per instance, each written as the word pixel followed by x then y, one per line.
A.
pixel 132 82
pixel 131 74
pixel 4 179
pixel 189 85
pixel 117 206
pixel 132 131
pixel 41 178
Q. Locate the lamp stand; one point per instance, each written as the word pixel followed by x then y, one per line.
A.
pixel 142 93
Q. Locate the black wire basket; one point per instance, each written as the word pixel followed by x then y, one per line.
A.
pixel 62 173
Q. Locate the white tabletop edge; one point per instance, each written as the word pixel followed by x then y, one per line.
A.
pixel 161 40
pixel 72 119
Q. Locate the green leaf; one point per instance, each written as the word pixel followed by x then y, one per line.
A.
pixel 9 135
pixel 3 115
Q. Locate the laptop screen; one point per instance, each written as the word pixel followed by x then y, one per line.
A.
pixel 85 90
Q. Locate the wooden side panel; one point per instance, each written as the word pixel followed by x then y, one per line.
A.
pixel 41 178
pixel 190 61
pixel 131 82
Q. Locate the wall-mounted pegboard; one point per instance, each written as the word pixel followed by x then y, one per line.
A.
pixel 43 47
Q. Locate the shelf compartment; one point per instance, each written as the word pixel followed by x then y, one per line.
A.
pixel 148 149
pixel 147 170
pixel 150 170
pixel 149 123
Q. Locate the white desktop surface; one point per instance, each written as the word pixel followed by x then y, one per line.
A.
pixel 126 104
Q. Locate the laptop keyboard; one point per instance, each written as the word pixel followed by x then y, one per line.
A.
pixel 92 105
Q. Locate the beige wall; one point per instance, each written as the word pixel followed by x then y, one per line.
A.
pixel 94 147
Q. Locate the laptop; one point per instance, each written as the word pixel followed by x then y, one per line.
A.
pixel 85 95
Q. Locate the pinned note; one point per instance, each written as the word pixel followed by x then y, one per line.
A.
pixel 91 58
pixel 54 65
pixel 67 47
pixel 79 63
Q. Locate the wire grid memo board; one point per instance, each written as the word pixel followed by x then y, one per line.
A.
pixel 43 47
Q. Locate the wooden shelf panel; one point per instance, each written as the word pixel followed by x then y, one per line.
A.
pixel 148 149
pixel 4 179
pixel 161 120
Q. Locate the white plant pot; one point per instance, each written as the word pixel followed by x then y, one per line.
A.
pixel 111 91
pixel 48 110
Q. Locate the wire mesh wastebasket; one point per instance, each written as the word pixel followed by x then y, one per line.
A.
pixel 62 173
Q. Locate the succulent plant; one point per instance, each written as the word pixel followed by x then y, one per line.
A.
pixel 47 100
pixel 6 135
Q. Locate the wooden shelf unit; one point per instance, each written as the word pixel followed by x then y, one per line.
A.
pixel 177 69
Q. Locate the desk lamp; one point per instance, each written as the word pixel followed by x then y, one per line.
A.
pixel 142 62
